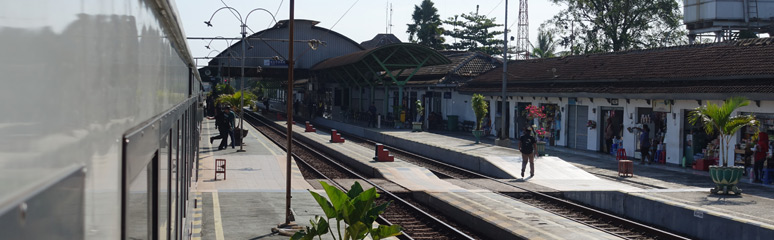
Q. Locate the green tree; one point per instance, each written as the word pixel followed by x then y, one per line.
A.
pixel 616 25
pixel 718 119
pixel 480 108
pixel 426 29
pixel 475 33
pixel 545 47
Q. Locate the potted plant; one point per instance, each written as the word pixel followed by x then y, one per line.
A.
pixel 356 208
pixel 534 112
pixel 417 126
pixel 480 108
pixel 718 119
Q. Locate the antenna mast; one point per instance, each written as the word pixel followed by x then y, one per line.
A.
pixel 522 32
pixel 387 17
pixel 390 25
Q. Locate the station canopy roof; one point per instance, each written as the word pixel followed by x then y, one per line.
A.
pixel 363 65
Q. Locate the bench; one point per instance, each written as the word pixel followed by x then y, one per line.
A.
pixel 467 126
pixel 220 167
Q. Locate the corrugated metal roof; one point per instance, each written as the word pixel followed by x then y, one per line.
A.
pixel 682 69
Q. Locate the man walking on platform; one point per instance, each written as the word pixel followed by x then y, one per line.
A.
pixel 527 146
pixel 372 115
pixel 231 119
pixel 224 128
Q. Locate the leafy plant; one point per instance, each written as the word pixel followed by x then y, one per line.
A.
pixel 533 112
pixel 420 109
pixel 480 108
pixel 718 119
pixel 356 208
pixel 235 99
pixel 221 89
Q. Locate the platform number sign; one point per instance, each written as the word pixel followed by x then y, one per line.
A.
pixel 698 214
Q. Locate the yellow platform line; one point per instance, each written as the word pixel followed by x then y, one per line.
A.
pixel 216 213
pixel 260 140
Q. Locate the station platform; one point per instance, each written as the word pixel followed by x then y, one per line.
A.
pixel 251 199
pixel 665 196
pixel 494 215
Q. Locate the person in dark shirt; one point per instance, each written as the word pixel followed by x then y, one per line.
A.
pixel 644 143
pixel 372 115
pixel 219 119
pixel 527 146
pixel 224 127
pixel 231 119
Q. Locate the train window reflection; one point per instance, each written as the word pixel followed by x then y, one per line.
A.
pixel 138 208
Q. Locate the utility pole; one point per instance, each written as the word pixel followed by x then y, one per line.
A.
pixel 504 140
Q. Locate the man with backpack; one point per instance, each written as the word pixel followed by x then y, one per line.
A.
pixel 527 146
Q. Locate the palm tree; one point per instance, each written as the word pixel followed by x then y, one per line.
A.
pixel 718 119
pixel 545 47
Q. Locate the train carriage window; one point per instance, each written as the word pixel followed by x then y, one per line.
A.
pixel 139 204
pixel 165 154
pixel 173 187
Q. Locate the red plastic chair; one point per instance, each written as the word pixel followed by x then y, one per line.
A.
pixel 620 154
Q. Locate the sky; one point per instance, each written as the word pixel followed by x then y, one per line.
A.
pixel 364 20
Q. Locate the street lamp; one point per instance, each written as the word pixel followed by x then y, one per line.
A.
pixel 243 25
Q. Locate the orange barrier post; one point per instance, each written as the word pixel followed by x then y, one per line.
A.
pixel 336 137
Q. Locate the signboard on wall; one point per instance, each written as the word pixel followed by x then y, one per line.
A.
pixel 662 105
pixel 272 62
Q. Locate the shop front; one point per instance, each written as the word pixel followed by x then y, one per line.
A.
pixel 611 131
pixel 699 147
pixel 655 118
pixel 551 123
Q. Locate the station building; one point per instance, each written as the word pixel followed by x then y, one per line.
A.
pixel 655 87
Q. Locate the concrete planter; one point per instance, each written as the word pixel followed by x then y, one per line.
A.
pixel 416 126
pixel 725 179
pixel 478 134
pixel 541 148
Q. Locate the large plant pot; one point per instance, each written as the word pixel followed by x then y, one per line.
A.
pixel 725 179
pixel 478 134
pixel 416 126
pixel 541 148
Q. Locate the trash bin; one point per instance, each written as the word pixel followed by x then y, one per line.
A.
pixel 238 135
pixel 451 123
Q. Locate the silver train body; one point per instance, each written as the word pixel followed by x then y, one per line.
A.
pixel 99 120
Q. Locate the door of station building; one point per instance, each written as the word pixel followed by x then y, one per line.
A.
pixel 499 118
pixel 520 120
pixel 577 135
pixel 616 115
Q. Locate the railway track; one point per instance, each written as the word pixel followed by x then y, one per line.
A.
pixel 606 222
pixel 418 222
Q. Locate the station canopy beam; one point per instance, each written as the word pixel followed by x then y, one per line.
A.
pixel 372 65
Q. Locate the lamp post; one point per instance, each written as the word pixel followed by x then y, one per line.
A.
pixel 504 140
pixel 243 25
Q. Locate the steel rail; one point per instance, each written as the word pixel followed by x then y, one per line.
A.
pixel 656 232
pixel 384 191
